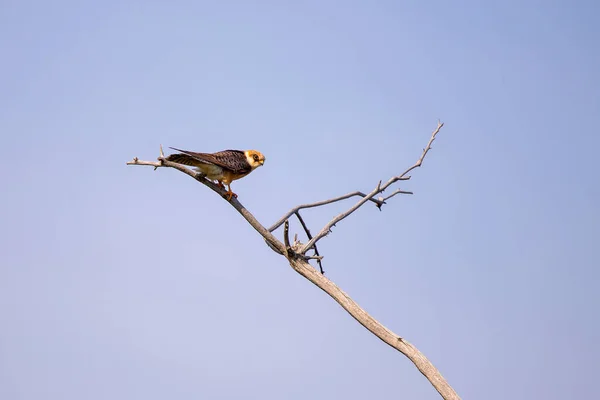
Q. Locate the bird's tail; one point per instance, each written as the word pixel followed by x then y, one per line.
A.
pixel 183 159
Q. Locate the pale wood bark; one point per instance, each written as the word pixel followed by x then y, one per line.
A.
pixel 375 327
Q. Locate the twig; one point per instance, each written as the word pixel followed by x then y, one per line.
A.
pixel 397 191
pixel 286 238
pixel 313 258
pixel 309 236
pixel 425 150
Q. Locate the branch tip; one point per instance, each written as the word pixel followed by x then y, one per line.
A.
pixel 368 197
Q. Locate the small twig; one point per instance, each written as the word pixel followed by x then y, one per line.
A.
pixel 403 176
pixel 397 191
pixel 384 199
pixel 318 258
pixel 137 161
pixel 309 236
pixel 286 237
pixel 425 150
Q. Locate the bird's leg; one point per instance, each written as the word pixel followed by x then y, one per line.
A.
pixel 221 184
pixel 229 193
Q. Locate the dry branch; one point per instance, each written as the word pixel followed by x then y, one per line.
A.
pixel 369 197
pixel 317 256
pixel 375 327
pixel 295 254
pixel 294 210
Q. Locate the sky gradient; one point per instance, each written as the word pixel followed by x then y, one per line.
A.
pixel 122 282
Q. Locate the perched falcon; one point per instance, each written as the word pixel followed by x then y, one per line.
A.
pixel 224 166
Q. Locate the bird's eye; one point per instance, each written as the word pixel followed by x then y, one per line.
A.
pixel 255 157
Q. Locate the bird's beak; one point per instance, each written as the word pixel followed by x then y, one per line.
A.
pixel 262 162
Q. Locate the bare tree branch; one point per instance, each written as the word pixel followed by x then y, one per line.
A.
pixel 295 254
pixel 379 189
pixel 318 258
pixel 327 228
pixel 286 238
pixel 294 210
pixel 375 327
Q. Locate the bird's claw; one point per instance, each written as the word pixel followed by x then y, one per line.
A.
pixel 230 195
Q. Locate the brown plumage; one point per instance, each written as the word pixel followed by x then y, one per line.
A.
pixel 224 166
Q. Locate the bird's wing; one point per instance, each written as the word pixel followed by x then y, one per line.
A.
pixel 185 160
pixel 233 160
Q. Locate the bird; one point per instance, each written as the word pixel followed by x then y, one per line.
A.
pixel 224 166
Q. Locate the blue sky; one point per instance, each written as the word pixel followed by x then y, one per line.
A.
pixel 124 282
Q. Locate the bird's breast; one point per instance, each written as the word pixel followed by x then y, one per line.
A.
pixel 229 176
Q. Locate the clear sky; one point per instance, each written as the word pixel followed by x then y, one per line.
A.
pixel 122 282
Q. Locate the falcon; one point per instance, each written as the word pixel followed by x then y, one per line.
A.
pixel 224 166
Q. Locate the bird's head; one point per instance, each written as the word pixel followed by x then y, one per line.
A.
pixel 255 158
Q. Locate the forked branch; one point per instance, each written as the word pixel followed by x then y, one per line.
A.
pixel 295 210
